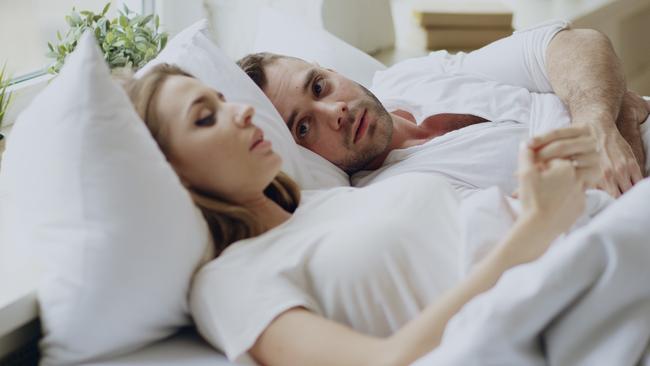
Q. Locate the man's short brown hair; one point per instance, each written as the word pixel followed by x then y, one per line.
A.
pixel 254 66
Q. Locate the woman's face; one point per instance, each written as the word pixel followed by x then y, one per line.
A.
pixel 211 143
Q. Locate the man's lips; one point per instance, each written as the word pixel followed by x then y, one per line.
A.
pixel 361 127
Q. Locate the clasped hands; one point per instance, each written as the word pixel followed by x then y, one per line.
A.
pixel 554 171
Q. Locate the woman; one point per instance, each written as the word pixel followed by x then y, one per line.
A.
pixel 233 174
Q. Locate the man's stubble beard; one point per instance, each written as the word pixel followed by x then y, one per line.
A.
pixel 378 135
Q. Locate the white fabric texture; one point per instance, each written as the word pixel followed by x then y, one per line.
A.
pixel 235 24
pixel 489 83
pixel 357 256
pixel 292 36
pixel 185 348
pixel 193 51
pixel 585 302
pixel 91 195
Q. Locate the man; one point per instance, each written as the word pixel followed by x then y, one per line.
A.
pixel 463 116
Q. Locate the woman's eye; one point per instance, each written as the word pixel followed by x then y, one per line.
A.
pixel 206 121
pixel 317 87
pixel 303 129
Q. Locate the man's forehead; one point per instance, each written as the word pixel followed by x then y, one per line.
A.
pixel 285 79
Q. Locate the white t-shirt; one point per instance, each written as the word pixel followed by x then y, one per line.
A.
pixel 505 83
pixel 358 256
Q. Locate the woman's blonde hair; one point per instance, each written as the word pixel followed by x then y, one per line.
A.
pixel 228 222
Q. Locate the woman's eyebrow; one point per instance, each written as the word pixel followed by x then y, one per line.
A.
pixel 198 100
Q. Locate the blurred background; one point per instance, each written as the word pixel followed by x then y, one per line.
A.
pixel 390 30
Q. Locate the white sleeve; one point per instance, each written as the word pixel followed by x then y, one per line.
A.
pixel 518 60
pixel 232 307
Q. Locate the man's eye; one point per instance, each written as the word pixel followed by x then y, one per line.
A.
pixel 303 129
pixel 206 121
pixel 317 87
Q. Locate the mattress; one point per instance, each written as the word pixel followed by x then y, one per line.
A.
pixel 185 348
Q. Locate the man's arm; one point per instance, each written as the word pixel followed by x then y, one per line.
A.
pixel 586 74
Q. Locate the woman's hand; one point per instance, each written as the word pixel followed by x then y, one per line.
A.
pixel 574 143
pixel 551 191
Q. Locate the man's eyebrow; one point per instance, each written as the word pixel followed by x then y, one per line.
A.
pixel 308 79
pixel 292 120
pixel 311 74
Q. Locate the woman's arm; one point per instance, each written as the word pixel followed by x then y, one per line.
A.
pixel 552 197
pixel 299 337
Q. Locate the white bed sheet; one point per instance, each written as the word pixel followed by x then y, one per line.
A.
pixel 185 348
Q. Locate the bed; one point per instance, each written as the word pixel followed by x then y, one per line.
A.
pixel 184 348
pixel 187 347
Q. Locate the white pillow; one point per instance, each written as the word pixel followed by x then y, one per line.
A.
pixel 286 35
pixel 91 194
pixel 283 34
pixel 194 52
pixel 235 25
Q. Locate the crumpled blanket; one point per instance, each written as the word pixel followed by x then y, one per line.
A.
pixel 585 302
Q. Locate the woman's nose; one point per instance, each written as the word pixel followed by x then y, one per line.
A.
pixel 243 114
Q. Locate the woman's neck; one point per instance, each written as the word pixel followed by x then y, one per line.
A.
pixel 267 211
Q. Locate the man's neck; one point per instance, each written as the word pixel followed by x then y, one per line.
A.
pixel 406 133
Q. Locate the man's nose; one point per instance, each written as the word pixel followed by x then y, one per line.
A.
pixel 335 114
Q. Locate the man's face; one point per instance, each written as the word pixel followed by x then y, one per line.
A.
pixel 328 113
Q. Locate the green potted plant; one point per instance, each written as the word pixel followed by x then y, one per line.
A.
pixel 5 100
pixel 129 40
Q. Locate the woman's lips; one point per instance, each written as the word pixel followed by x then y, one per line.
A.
pixel 258 141
pixel 261 145
pixel 361 128
pixel 258 138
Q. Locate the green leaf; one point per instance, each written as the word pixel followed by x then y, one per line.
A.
pixel 106 7
pixel 127 39
pixel 145 20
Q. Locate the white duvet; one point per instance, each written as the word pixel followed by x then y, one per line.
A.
pixel 586 302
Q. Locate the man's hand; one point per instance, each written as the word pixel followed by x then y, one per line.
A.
pixel 622 152
pixel 634 111
pixel 620 167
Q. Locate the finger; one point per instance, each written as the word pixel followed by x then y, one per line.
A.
pixel 589 176
pixel 560 165
pixel 558 134
pixel 566 148
pixel 609 186
pixel 624 175
pixel 526 159
pixel 585 160
pixel 607 183
pixel 637 175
